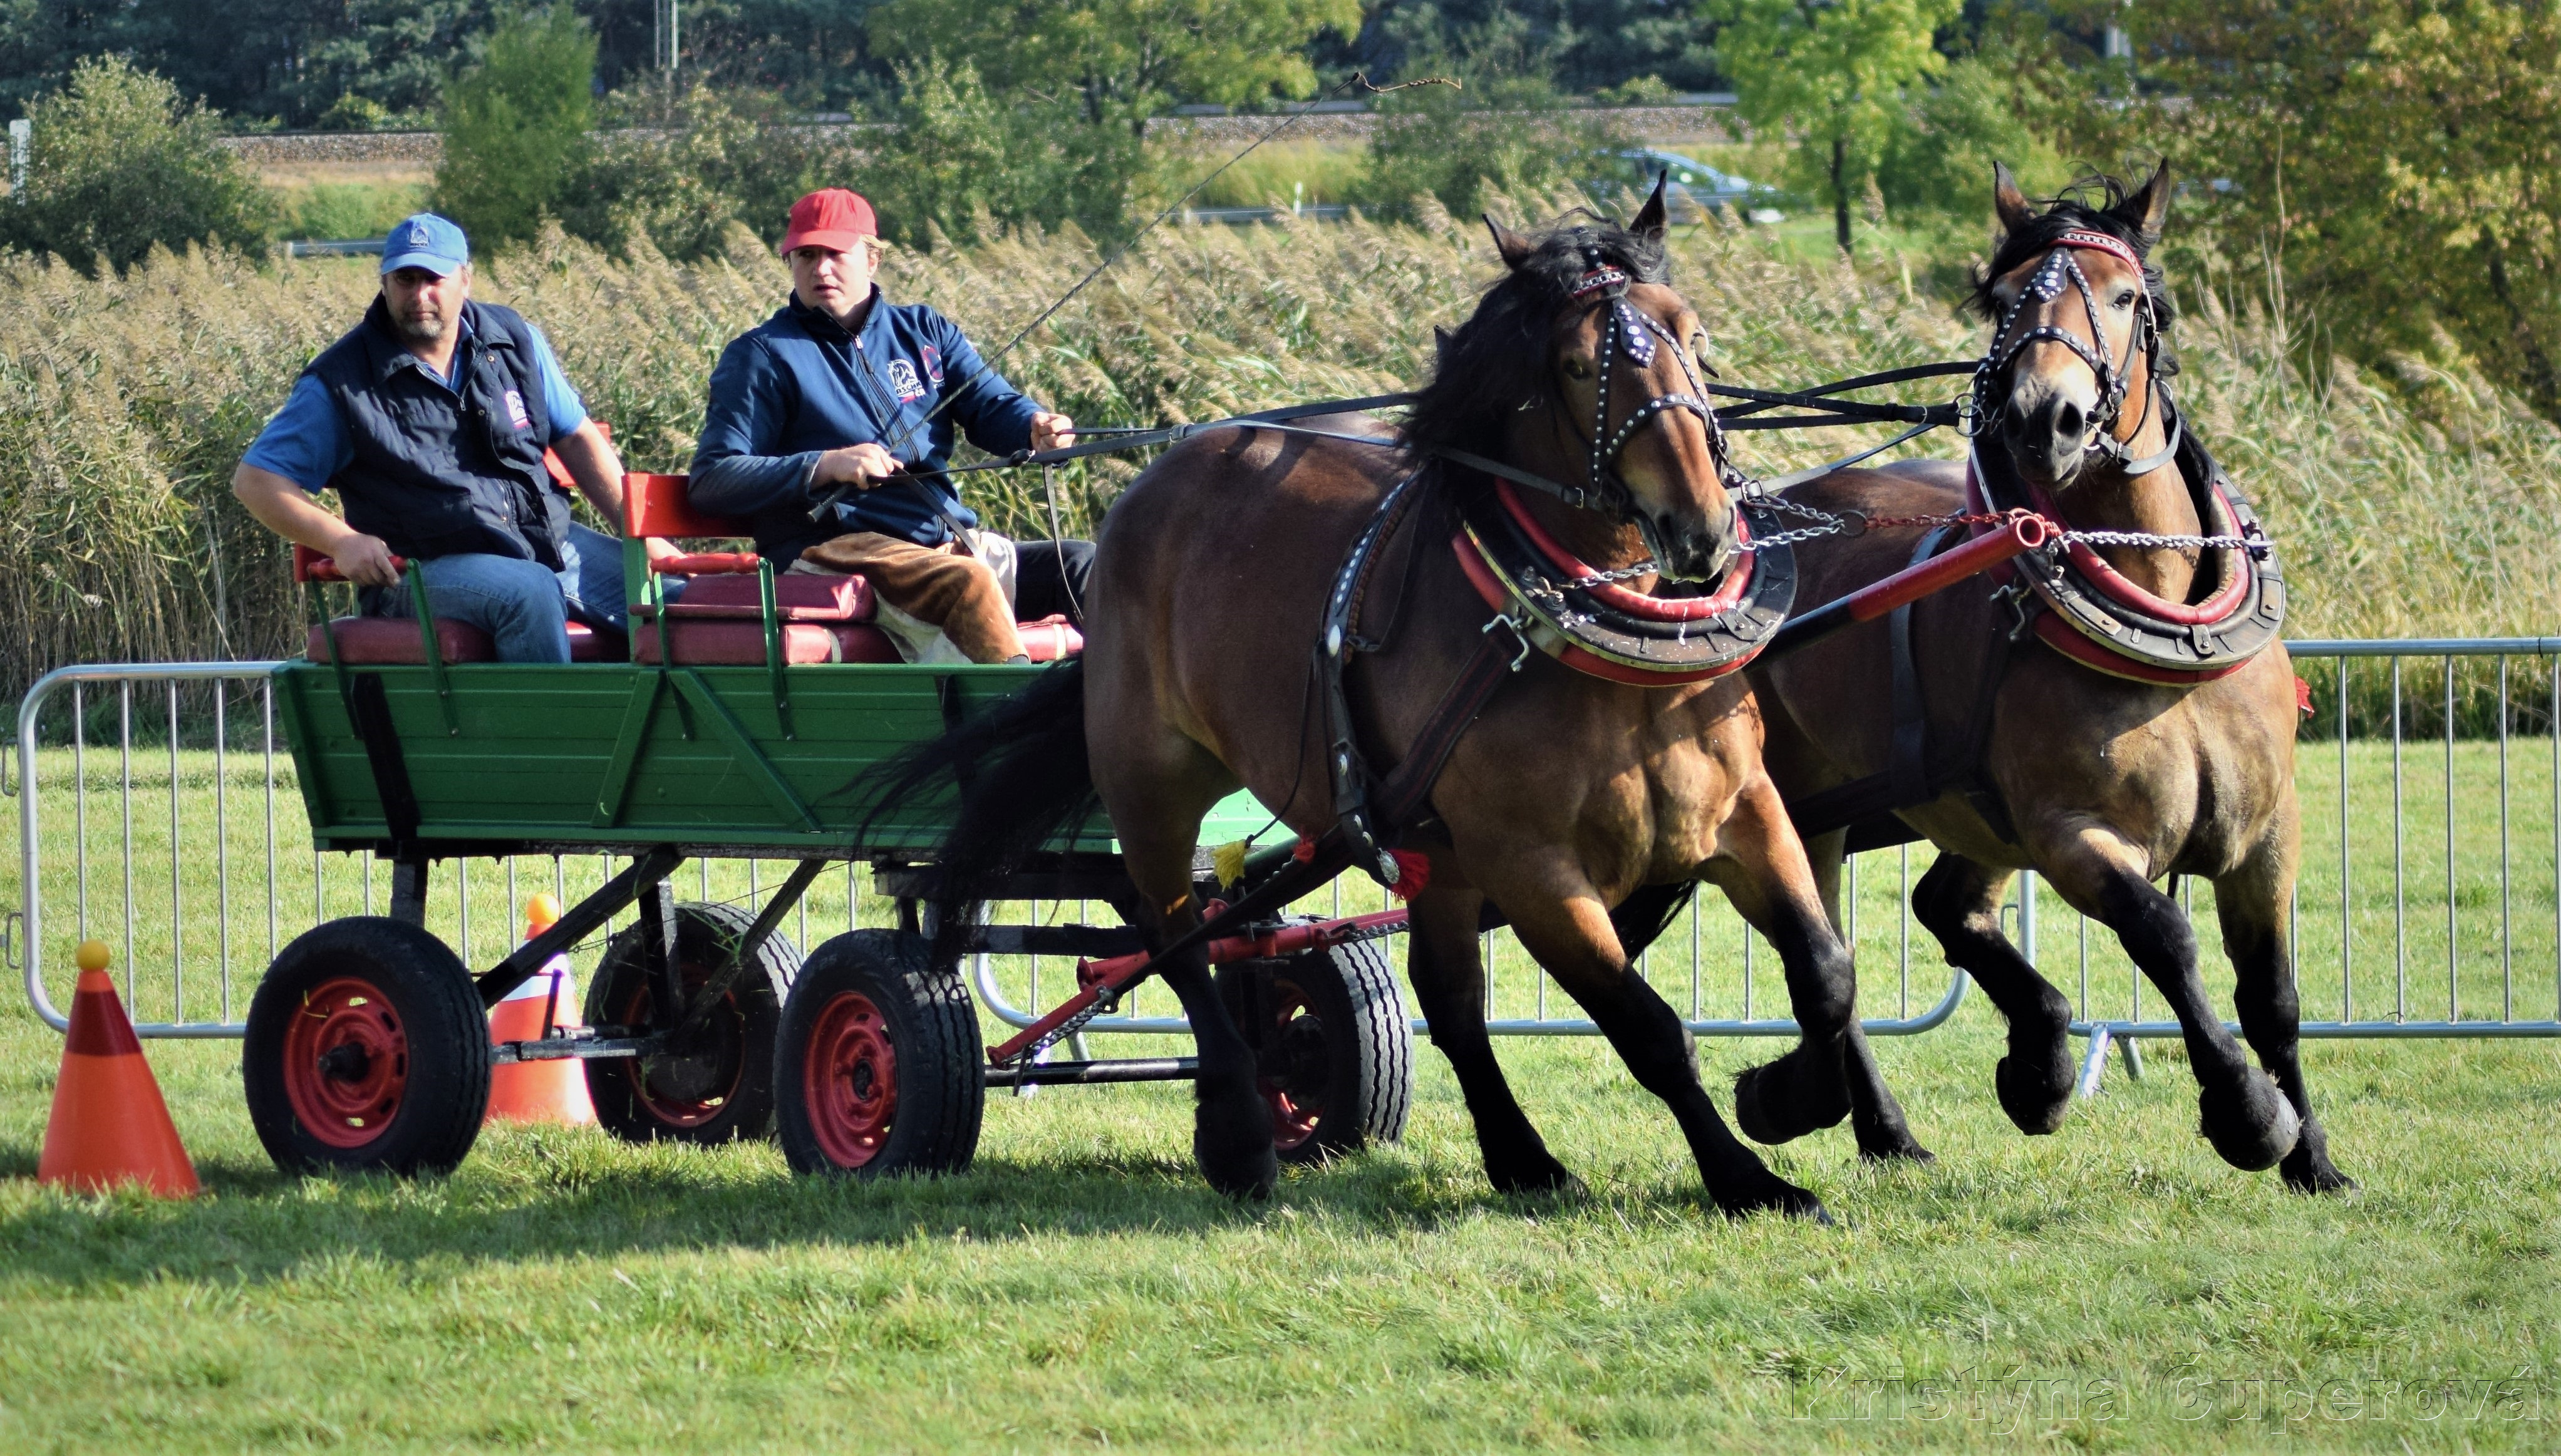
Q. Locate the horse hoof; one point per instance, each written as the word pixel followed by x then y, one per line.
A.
pixel 2255 1132
pixel 1232 1142
pixel 1899 1154
pixel 2306 1172
pixel 1784 1199
pixel 1542 1176
pixel 2031 1096
pixel 1770 1110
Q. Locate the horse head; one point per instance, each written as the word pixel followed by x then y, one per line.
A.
pixel 2076 310
pixel 1583 363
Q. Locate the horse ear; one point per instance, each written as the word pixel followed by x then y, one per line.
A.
pixel 1649 225
pixel 1440 343
pixel 2009 203
pixel 1513 247
pixel 2149 207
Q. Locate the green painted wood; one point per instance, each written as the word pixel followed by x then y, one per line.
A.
pixel 643 705
pixel 539 746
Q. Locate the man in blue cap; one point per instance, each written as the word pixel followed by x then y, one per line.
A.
pixel 429 418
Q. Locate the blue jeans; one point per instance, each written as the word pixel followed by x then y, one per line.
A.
pixel 525 605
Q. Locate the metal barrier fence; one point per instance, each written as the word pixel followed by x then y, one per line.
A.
pixel 2366 786
pixel 167 821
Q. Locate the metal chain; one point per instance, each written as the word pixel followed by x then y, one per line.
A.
pixel 2175 543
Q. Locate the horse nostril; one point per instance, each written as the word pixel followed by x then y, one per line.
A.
pixel 2068 420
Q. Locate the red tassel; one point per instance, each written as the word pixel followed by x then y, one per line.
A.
pixel 2304 697
pixel 1305 851
pixel 1413 872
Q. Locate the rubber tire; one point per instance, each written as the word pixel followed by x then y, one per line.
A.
pixel 703 935
pixel 932 1027
pixel 445 1031
pixel 1368 1077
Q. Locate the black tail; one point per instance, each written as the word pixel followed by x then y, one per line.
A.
pixel 1023 781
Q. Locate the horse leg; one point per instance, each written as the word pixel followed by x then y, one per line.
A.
pixel 2249 1122
pixel 1449 975
pixel 1566 930
pixel 1760 865
pixel 2251 905
pixel 1875 1117
pixel 1156 804
pixel 1959 903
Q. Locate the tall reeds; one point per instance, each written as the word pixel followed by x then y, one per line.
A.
pixel 125 403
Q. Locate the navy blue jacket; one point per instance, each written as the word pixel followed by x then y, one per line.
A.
pixel 438 471
pixel 798 385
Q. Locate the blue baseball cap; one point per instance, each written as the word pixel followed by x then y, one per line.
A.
pixel 427 242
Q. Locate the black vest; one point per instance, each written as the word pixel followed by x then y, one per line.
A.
pixel 439 472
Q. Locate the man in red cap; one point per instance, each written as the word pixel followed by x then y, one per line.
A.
pixel 843 393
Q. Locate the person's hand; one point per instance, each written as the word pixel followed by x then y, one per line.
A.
pixel 864 465
pixel 1052 431
pixel 364 559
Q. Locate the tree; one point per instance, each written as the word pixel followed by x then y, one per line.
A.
pixel 1833 75
pixel 2400 158
pixel 515 128
pixel 120 163
pixel 1122 61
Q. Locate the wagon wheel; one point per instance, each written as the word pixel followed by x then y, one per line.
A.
pixel 1335 1053
pixel 367 1050
pixel 720 1087
pixel 879 1069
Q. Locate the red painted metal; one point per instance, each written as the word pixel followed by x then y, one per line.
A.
pixel 707 564
pixel 346 1062
pixel 851 1077
pixel 1099 978
pixel 2022 533
pixel 1291 1124
pixel 673 1111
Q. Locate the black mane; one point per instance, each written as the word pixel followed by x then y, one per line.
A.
pixel 1497 361
pixel 2062 214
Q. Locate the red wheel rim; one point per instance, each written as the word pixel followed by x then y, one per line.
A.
pixel 1294 1114
pixel 851 1077
pixel 346 1062
pixel 672 1108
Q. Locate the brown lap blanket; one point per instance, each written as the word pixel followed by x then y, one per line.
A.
pixel 933 583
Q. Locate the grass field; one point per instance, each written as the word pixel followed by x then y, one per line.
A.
pixel 2112 1287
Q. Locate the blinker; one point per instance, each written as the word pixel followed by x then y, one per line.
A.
pixel 1638 339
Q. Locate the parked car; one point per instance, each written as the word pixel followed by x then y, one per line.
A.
pixel 1691 188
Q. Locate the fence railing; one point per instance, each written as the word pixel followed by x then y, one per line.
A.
pixel 165 818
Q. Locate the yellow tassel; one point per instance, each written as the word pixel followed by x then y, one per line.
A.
pixel 1228 859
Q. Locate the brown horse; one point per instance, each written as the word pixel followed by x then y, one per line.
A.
pixel 2099 782
pixel 1566 796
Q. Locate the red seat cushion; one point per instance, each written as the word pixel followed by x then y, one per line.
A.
pixel 389 641
pixel 1050 639
pixel 801 596
pixel 742 643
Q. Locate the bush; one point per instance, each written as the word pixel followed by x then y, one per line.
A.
pixel 1461 148
pixel 720 162
pixel 515 128
pixel 1941 161
pixel 961 160
pixel 118 164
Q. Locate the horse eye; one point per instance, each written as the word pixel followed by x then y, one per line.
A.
pixel 2126 299
pixel 1576 369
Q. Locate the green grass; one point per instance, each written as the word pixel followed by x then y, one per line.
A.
pixel 2115 1286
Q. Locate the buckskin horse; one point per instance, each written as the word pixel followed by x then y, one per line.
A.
pixel 2118 712
pixel 1275 606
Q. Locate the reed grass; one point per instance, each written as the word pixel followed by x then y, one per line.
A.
pixel 2417 504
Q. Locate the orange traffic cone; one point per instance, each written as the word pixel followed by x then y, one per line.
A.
pixel 109 1125
pixel 539 1091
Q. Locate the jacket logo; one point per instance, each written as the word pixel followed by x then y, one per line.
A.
pixel 933 357
pixel 903 380
pixel 516 414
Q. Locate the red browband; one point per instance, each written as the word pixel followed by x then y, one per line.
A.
pixel 1598 281
pixel 2100 243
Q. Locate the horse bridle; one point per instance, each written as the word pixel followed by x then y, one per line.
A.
pixel 2059 268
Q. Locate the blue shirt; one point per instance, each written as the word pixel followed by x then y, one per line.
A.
pixel 798 385
pixel 308 443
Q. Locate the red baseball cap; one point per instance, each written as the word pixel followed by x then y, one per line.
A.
pixel 829 218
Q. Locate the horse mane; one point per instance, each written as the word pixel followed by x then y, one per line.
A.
pixel 2073 209
pixel 1496 362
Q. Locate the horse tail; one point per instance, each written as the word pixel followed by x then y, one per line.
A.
pixel 1023 781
